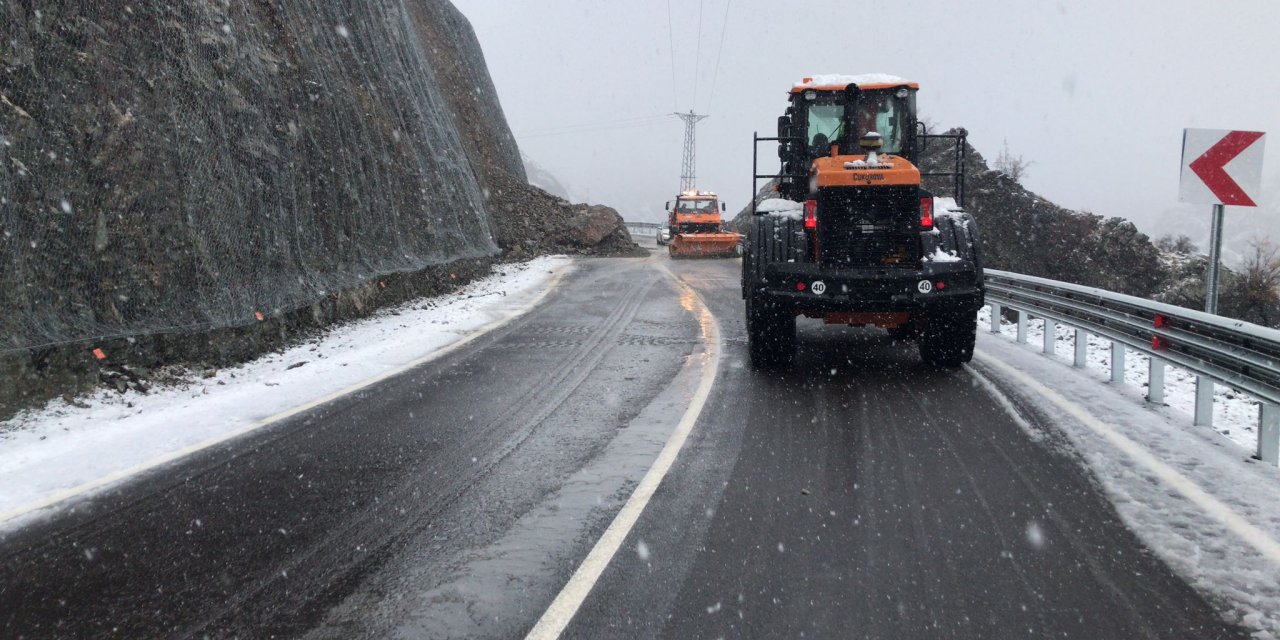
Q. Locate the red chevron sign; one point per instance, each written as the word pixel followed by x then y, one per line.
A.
pixel 1221 167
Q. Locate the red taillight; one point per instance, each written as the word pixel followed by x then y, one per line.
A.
pixel 926 212
pixel 811 214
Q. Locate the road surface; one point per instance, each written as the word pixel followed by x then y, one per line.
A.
pixel 860 494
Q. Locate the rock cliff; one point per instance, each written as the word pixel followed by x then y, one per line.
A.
pixel 184 167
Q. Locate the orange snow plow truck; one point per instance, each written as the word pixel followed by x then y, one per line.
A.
pixel 697 230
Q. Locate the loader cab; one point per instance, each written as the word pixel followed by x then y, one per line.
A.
pixel 826 115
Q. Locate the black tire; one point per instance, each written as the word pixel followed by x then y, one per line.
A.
pixel 947 340
pixel 771 334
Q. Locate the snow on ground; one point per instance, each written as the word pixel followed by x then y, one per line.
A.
pixel 1235 415
pixel 48 453
pixel 1208 547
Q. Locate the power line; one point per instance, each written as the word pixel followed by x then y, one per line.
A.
pixel 671 43
pixel 697 59
pixel 715 77
pixel 593 129
pixel 599 123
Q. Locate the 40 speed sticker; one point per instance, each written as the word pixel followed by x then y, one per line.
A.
pixel 818 287
pixel 925 286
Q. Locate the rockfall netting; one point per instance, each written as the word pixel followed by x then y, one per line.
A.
pixel 181 165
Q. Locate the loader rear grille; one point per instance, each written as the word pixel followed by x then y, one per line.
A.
pixel 869 227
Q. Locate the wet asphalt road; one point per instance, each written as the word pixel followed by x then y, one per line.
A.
pixel 859 495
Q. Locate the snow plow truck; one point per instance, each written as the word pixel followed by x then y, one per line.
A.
pixel 852 236
pixel 697 230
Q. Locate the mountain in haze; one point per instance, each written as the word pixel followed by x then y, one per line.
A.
pixel 543 179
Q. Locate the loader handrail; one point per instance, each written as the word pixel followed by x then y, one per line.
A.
pixel 960 158
pixel 755 165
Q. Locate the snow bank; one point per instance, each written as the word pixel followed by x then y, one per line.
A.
pixel 53 451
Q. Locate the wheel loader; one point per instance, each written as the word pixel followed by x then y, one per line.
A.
pixel 697 230
pixel 852 236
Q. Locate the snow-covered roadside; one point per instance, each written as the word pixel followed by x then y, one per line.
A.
pixel 63 450
pixel 1225 545
pixel 1235 415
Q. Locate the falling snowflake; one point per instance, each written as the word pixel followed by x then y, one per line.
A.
pixel 1035 535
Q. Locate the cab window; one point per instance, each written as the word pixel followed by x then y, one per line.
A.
pixel 695 206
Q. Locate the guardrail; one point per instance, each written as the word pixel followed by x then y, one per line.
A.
pixel 642 228
pixel 1236 354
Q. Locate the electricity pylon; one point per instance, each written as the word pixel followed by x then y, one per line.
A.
pixel 688 172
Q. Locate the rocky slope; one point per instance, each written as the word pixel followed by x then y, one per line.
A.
pixel 180 170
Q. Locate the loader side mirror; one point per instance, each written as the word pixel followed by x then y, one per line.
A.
pixel 784 126
pixel 723 207
pixel 667 206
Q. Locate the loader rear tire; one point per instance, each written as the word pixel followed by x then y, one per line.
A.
pixel 771 334
pixel 947 340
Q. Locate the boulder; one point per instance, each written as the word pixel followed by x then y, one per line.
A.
pixel 591 224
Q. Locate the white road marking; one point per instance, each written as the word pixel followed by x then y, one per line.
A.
pixel 111 478
pixel 565 606
pixel 1255 537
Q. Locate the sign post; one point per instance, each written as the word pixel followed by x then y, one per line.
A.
pixel 1215 260
pixel 1220 168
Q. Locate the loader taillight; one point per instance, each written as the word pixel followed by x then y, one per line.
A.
pixel 810 214
pixel 926 212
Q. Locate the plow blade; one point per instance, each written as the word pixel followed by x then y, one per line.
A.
pixel 704 245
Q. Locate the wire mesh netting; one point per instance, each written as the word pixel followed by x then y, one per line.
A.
pixel 188 165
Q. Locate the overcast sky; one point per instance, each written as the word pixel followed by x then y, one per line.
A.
pixel 1094 93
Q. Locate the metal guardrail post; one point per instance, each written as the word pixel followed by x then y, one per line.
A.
pixel 1242 356
pixel 1155 381
pixel 1204 402
pixel 1117 361
pixel 1269 433
pixel 995 318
